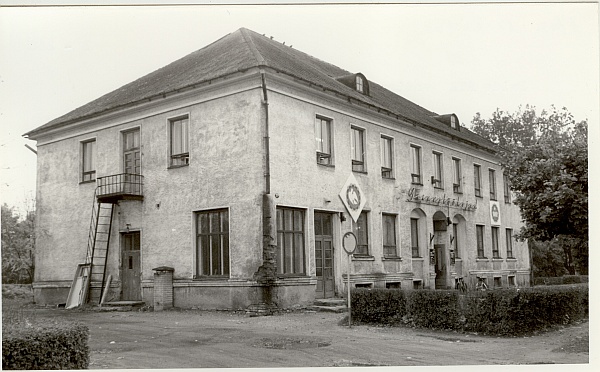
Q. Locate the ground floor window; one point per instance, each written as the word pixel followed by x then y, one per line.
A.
pixel 495 245
pixel 290 241
pixel 389 235
pixel 361 230
pixel 212 243
pixel 480 247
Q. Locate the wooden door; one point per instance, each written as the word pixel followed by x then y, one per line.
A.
pixel 324 255
pixel 440 266
pixel 132 160
pixel 130 267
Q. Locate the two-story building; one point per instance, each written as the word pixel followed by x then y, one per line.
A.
pixel 228 165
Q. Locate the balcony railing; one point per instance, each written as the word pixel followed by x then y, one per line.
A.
pixel 120 187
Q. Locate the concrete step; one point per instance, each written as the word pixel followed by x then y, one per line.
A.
pixel 330 309
pixel 331 302
pixel 123 303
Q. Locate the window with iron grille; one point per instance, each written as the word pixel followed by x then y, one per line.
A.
pixel 437 179
pixel 323 140
pixel 495 245
pixel 386 157
pixel 360 229
pixel 357 148
pixel 480 246
pixel 415 160
pixel 456 176
pixel 179 132
pixel 389 235
pixel 290 241
pixel 212 243
pixel 506 182
pixel 509 244
pixel 88 171
pixel 477 179
pixel 492 184
pixel 414 236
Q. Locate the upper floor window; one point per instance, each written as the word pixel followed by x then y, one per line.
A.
pixel 415 160
pixel 509 244
pixel 480 246
pixel 179 132
pixel 88 171
pixel 389 235
pixel 357 148
pixel 212 243
pixel 290 241
pixel 360 229
pixel 477 179
pixel 386 157
pixel 360 86
pixel 437 177
pixel 323 140
pixel 453 122
pixel 493 185
pixel 456 175
pixel 506 185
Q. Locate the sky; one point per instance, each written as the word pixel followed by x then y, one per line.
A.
pixel 448 58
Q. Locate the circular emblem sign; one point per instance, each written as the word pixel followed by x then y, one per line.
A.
pixel 495 213
pixel 353 196
pixel 349 242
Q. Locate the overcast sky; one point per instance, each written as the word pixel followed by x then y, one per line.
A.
pixel 448 58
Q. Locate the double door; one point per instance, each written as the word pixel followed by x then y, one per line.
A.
pixel 324 255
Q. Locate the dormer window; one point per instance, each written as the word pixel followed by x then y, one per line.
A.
pixel 450 120
pixel 359 84
pixel 453 122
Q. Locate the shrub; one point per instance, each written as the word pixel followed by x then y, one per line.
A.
pixel 558 280
pixel 44 346
pixel 434 309
pixel 381 306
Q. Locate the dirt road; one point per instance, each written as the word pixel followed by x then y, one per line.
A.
pixel 200 339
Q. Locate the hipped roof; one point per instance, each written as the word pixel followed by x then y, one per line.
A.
pixel 240 51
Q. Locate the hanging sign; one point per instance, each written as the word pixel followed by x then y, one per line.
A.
pixel 495 213
pixel 353 198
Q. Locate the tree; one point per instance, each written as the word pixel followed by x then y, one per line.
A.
pixel 18 246
pixel 545 159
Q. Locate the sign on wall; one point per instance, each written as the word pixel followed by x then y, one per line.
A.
pixel 353 197
pixel 495 213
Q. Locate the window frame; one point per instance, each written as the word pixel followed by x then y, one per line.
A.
pixel 84 160
pixel 416 151
pixel 437 180
pixel 389 250
pixel 180 159
pixel 495 232
pixel 480 240
pixel 359 244
pixel 456 175
pixel 224 261
pixel 492 181
pixel 360 84
pixel 358 165
pixel 506 185
pixel 322 156
pixel 477 180
pixel 281 255
pixel 387 172
pixel 509 243
pixel 414 238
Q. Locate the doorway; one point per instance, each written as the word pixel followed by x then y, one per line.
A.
pixel 130 267
pixel 441 257
pixel 324 255
pixel 132 160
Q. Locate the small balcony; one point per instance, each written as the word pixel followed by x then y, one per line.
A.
pixel 124 186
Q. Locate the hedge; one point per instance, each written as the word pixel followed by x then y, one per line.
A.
pixel 45 346
pixel 497 312
pixel 558 280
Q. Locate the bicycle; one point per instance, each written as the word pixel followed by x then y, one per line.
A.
pixel 481 286
pixel 461 285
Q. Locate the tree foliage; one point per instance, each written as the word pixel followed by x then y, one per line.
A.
pixel 545 158
pixel 18 246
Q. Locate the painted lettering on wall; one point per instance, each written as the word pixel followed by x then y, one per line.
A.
pixel 413 195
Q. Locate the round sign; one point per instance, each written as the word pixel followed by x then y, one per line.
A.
pixel 349 242
pixel 353 197
pixel 495 213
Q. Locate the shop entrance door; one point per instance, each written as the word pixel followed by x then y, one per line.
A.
pixel 324 255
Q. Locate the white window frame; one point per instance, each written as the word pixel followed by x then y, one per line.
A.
pixel 387 172
pixel 93 166
pixel 182 158
pixel 358 165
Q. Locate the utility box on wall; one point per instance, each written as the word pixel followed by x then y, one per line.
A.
pixel 163 288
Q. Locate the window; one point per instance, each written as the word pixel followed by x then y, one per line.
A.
pixel 212 243
pixel 509 245
pixel 477 178
pixel 290 241
pixel 511 281
pixel 323 140
pixel 495 247
pixel 359 84
pixel 88 171
pixel 389 235
pixel 414 236
pixel 480 248
pixel 497 282
pixel 506 188
pixel 492 184
pixel 357 138
pixel 456 175
pixel 360 229
pixel 453 122
pixel 386 157
pixel 436 180
pixel 179 130
pixel 415 160
pixel 393 285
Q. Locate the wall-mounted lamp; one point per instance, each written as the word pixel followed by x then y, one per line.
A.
pixel 127 225
pixel 342 217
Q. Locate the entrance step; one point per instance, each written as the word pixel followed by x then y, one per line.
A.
pixel 332 305
pixel 125 304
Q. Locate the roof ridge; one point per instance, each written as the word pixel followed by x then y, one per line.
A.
pixel 248 39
